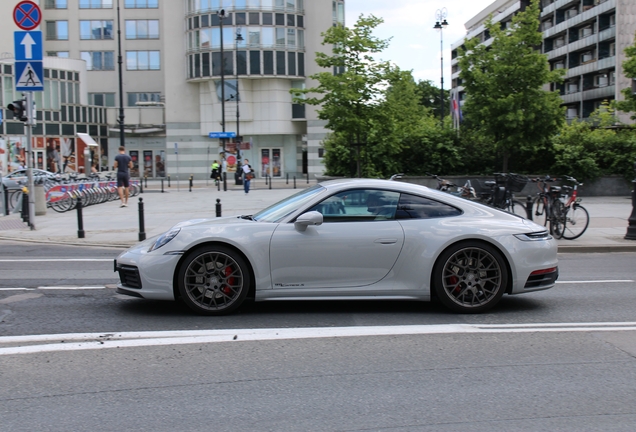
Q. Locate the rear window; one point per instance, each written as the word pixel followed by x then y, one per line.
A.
pixel 416 207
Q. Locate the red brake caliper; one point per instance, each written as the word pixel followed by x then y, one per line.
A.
pixel 454 280
pixel 230 280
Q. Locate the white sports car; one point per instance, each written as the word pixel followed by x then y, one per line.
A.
pixel 342 240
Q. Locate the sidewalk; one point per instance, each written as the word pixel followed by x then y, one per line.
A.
pixel 108 224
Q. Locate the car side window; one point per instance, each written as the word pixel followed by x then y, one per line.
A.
pixel 417 207
pixel 359 205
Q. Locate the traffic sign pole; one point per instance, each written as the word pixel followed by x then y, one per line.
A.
pixel 30 159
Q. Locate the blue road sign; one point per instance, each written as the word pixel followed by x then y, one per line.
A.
pixel 28 45
pixel 222 135
pixel 29 76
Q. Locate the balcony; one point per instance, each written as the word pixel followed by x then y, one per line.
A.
pixel 140 120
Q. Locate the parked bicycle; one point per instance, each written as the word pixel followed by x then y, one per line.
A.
pixel 499 193
pixel 576 217
pixel 467 191
pixel 548 205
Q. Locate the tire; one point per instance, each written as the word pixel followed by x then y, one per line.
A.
pixel 518 208
pixel 470 277
pixel 14 198
pixel 539 213
pixel 557 221
pixel 213 280
pixel 576 221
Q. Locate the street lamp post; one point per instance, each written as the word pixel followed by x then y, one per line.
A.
pixel 122 140
pixel 239 180
pixel 221 15
pixel 440 24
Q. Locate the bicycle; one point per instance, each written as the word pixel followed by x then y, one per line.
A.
pixel 576 217
pixel 467 191
pixel 500 193
pixel 548 204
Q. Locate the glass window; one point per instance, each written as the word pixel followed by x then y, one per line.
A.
pixel 96 30
pixel 301 39
pixel 291 38
pixel 291 63
pixel 95 4
pixel 141 4
pixel 142 29
pixel 205 64
pixel 57 30
pixel 253 4
pixel 255 62
pixel 143 60
pixel 280 36
pixel 55 4
pixel 280 19
pixel 255 18
pixel 416 207
pixel 301 64
pixel 239 4
pixel 241 62
pixel 98 60
pixel 280 62
pixel 291 20
pixel 240 18
pixel 268 62
pixel 206 39
pixel 267 19
pixel 359 205
pixel 280 4
pixel 267 36
pixel 254 36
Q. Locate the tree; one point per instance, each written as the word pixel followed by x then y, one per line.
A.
pixel 429 97
pixel 629 68
pixel 504 87
pixel 349 93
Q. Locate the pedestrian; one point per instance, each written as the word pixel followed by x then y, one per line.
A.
pixel 123 163
pixel 215 172
pixel 248 175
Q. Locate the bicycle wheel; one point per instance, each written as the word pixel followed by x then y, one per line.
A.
pixel 518 208
pixel 576 221
pixel 557 219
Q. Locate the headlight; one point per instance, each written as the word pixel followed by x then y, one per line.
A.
pixel 164 238
pixel 534 236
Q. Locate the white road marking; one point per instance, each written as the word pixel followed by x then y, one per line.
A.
pixel 93 341
pixel 596 281
pixel 58 260
pixel 76 288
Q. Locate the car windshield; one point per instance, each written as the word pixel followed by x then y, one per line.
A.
pixel 276 212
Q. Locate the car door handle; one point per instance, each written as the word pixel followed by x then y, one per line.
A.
pixel 386 240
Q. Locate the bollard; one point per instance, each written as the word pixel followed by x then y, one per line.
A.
pixel 266 177
pixel 294 182
pixel 307 177
pixel 529 204
pixel 218 207
pixel 287 178
pixel 162 186
pixel 146 181
pixel 190 184
pixel 224 182
pixel 24 211
pixel 6 200
pixel 141 185
pixel 168 181
pixel 80 219
pixel 270 182
pixel 218 185
pixel 142 227
pixel 631 228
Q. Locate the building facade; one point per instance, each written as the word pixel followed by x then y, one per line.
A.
pixel 175 55
pixel 585 37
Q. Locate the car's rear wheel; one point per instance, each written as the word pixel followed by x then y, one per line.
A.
pixel 213 280
pixel 470 277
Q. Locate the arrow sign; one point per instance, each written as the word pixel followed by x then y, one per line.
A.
pixel 27 45
pixel 221 134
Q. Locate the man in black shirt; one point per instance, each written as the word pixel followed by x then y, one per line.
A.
pixel 123 163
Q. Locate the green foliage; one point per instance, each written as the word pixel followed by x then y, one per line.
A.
pixel 430 98
pixel 588 150
pixel 629 68
pixel 504 82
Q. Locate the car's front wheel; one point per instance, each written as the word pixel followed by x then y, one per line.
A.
pixel 213 280
pixel 470 277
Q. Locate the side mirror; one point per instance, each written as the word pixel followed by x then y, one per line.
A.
pixel 306 219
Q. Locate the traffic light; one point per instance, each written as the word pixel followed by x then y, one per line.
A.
pixel 19 109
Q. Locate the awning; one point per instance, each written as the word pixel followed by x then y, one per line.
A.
pixel 86 138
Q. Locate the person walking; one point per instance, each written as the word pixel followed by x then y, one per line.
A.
pixel 123 163
pixel 248 175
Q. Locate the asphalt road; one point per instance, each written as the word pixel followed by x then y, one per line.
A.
pixel 503 370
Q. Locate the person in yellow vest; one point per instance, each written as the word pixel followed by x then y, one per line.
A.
pixel 215 172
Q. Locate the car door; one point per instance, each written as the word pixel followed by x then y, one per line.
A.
pixel 355 246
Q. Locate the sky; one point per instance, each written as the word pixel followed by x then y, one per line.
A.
pixel 415 45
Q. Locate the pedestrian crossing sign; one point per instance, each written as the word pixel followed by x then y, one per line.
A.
pixel 29 76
